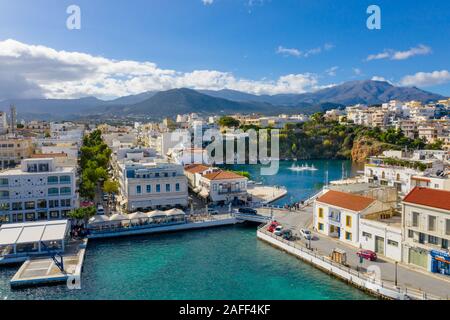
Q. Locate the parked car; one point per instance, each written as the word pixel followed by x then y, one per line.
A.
pixel 105 197
pixel 272 226
pixel 248 211
pixel 305 233
pixel 287 234
pixel 367 254
pixel 278 230
pixel 213 212
pixel 100 210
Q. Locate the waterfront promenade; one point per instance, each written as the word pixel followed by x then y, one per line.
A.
pixel 407 277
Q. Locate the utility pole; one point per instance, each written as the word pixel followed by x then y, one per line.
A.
pixel 396 273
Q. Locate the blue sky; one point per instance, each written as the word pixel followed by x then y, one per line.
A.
pixel 258 46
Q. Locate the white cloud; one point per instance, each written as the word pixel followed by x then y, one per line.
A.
pixel 357 71
pixel 332 71
pixel 425 79
pixel 289 51
pixel 420 50
pixel 207 2
pixel 303 54
pixel 29 70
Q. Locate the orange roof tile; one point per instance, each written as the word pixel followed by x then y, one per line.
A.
pixel 223 175
pixel 429 197
pixel 346 200
pixel 195 168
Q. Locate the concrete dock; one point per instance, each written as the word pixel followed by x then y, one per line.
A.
pixel 43 270
pixel 266 194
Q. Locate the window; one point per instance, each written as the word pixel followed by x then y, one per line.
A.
pixel 4 194
pixel 431 223
pixel 321 213
pixel 177 187
pixel 348 236
pixel 158 188
pixel 157 175
pixel 149 188
pixel 432 240
pixel 167 187
pixel 4 182
pixel 30 205
pixel 66 190
pixel 64 179
pixel 65 203
pixel 166 174
pixel 52 180
pixel 42 204
pixel 53 191
pixel 444 244
pixel 367 235
pixel 321 226
pixel 415 219
pixel 53 203
pixel 447 227
pixel 4 207
pixel 138 189
pixel 16 206
pixel 348 221
pixel 392 243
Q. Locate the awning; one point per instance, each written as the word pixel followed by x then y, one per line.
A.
pixel 33 232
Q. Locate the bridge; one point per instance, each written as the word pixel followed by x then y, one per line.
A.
pixel 252 217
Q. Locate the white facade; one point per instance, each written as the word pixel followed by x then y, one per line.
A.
pixel 146 186
pixel 382 238
pixel 37 191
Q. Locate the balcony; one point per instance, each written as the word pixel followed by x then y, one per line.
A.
pixel 230 191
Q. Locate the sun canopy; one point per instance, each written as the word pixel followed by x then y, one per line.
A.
pixel 118 217
pixel 98 219
pixel 32 232
pixel 156 213
pixel 175 212
pixel 137 215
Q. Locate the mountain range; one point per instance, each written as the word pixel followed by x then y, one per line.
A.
pixel 179 101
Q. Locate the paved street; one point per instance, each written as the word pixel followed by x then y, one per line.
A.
pixel 406 276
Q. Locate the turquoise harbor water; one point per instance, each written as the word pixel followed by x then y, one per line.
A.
pixel 222 263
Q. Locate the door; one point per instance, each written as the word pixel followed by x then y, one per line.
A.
pixel 379 245
pixel 418 258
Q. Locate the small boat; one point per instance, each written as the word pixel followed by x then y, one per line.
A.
pixel 302 168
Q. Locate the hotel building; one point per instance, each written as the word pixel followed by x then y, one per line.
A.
pixel 38 190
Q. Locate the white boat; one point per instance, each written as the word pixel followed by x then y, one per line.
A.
pixel 303 167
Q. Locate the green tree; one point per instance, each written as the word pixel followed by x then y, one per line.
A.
pixel 228 122
pixel 82 214
pixel 111 186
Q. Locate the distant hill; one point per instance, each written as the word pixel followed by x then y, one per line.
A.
pixel 353 92
pixel 179 101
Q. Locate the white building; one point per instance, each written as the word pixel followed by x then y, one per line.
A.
pixel 401 170
pixel 3 123
pixel 337 214
pixel 426 229
pixel 383 236
pixel 38 190
pixel 223 187
pixel 152 185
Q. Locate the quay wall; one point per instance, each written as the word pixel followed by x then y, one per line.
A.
pixel 359 280
pixel 171 228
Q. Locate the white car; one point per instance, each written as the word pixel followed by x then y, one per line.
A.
pixel 278 230
pixel 306 234
pixel 100 210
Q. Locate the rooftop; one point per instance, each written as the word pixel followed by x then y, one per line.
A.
pixel 195 168
pixel 223 175
pixel 439 199
pixel 32 232
pixel 345 200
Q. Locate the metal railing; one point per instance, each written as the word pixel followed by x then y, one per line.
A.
pixel 405 291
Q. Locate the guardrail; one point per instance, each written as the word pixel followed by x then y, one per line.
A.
pixel 357 278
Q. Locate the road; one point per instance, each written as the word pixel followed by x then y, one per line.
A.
pixel 406 275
